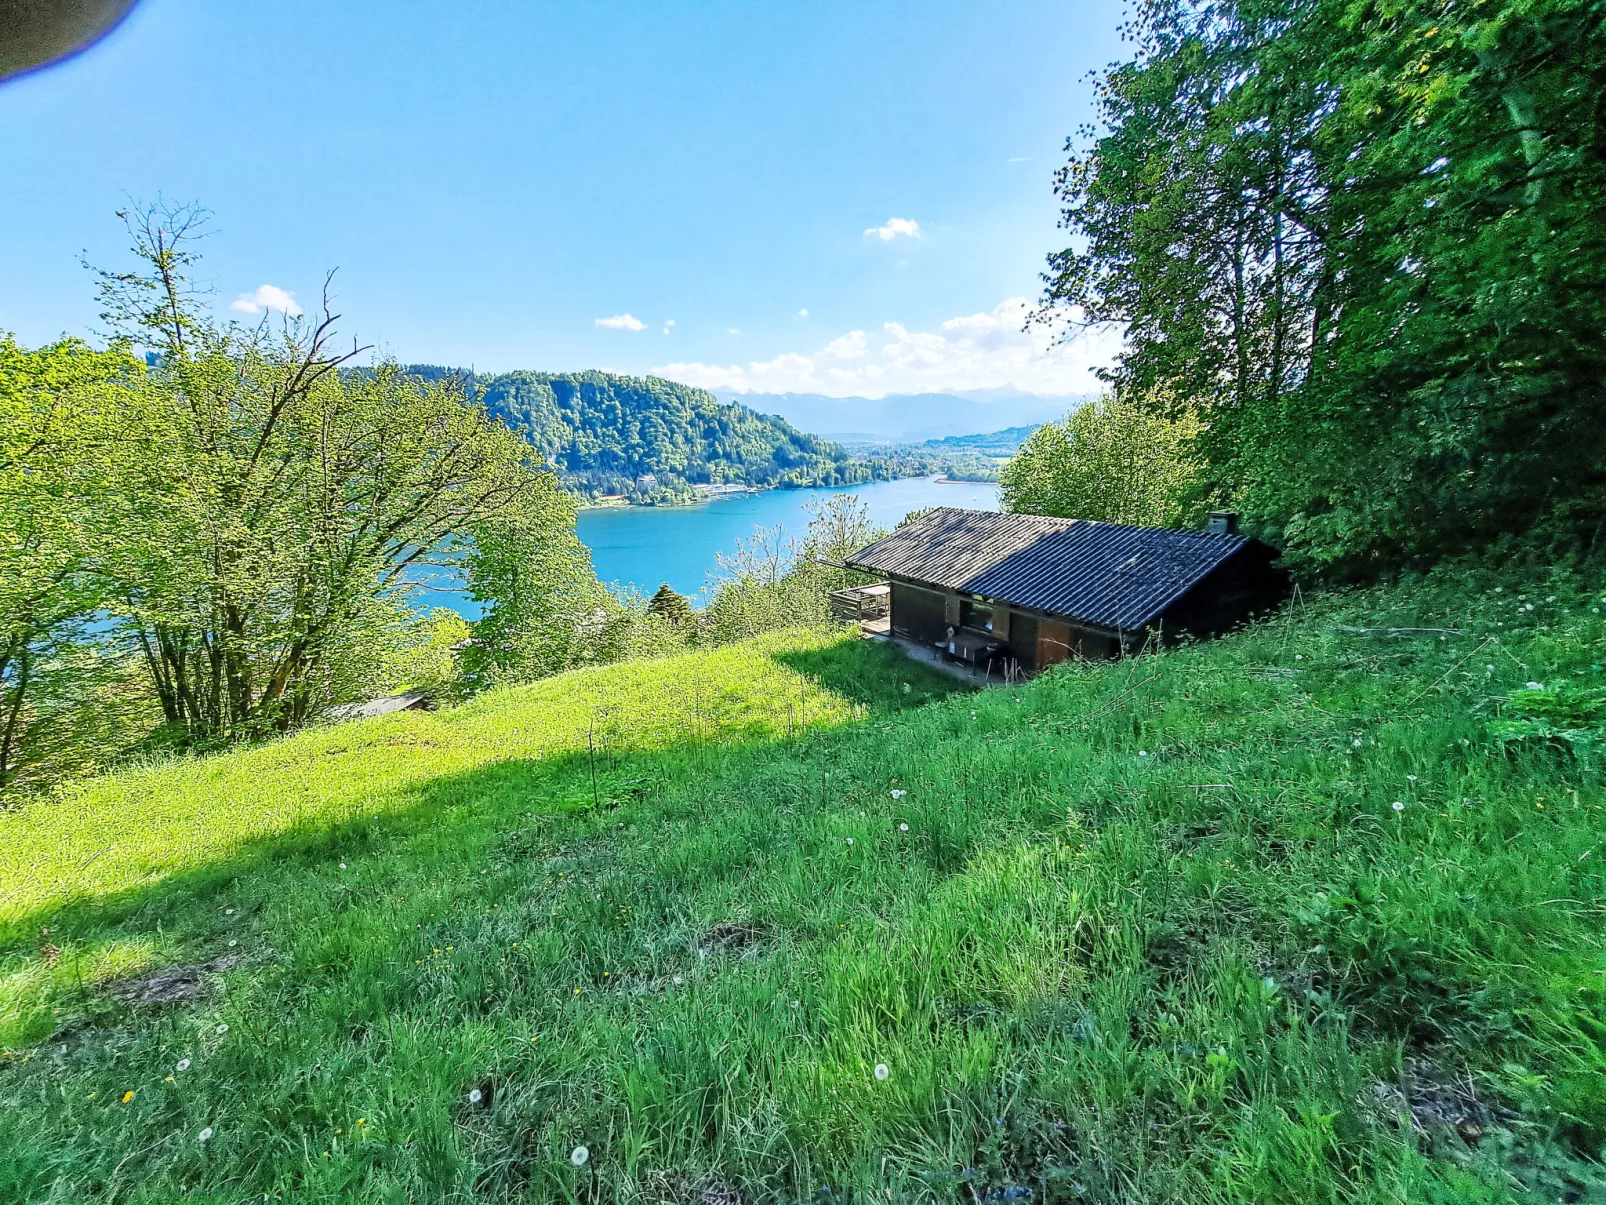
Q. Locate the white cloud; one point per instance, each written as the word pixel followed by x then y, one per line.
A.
pixel 989 350
pixel 894 227
pixel 668 325
pixel 622 322
pixel 267 297
pixel 802 313
pixel 1019 159
pixel 733 330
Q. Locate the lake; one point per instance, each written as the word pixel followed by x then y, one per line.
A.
pixel 648 545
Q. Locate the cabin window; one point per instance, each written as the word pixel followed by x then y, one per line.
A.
pixel 978 617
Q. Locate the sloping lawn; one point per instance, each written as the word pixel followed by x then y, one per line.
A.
pixel 1309 914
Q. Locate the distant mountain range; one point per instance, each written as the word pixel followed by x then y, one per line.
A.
pixel 907 417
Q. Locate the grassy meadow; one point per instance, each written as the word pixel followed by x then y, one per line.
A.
pixel 1312 913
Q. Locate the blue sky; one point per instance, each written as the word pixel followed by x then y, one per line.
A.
pixel 834 197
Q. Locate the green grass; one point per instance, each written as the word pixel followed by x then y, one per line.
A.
pixel 1155 932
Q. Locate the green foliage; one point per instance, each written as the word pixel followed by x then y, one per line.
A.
pixel 59 521
pixel 426 653
pixel 1118 461
pixel 1155 931
pixel 534 579
pixel 671 605
pixel 278 505
pixel 1368 242
pixel 651 440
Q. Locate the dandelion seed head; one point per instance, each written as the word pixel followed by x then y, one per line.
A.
pixel 232 942
pixel 898 794
pixel 903 828
pixel 850 840
pixel 342 866
pixel 182 1065
pixel 881 1071
pixel 1356 742
pixel 223 1029
pixel 228 912
pixel 205 1135
pixel 1398 805
pixel 1536 686
pixel 1410 778
pixel 475 1096
pixel 579 1155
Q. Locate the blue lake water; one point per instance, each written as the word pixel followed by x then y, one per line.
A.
pixel 644 546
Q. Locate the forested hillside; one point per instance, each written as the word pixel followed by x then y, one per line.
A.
pixel 652 440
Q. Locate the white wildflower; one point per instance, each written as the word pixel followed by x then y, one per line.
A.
pixel 897 794
pixel 1356 742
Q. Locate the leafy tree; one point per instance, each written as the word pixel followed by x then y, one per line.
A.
pixel 543 603
pixel 279 505
pixel 1368 242
pixel 671 605
pixel 1111 460
pixel 59 434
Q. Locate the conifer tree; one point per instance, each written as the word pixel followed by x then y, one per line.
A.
pixel 672 606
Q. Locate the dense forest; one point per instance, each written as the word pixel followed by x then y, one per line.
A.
pixel 1366 244
pixel 652 440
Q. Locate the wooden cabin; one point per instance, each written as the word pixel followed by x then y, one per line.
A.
pixel 1026 591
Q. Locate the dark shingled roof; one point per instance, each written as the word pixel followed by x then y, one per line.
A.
pixel 1106 574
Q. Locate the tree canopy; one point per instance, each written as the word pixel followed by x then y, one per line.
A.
pixel 1116 461
pixel 1368 243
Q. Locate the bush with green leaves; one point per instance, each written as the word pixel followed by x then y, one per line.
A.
pixel 1119 460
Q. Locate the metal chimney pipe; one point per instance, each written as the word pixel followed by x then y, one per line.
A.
pixel 1223 523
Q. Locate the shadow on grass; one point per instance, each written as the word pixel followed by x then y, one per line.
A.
pixel 449 818
pixel 872 673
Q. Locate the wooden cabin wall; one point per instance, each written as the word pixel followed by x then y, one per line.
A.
pixel 919 614
pixel 1023 640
